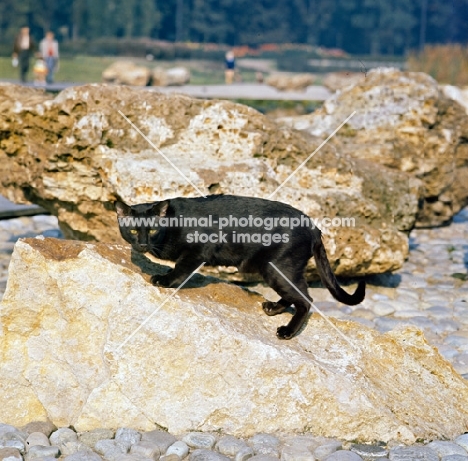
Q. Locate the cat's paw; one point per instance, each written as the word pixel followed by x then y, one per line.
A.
pixel 271 308
pixel 284 332
pixel 160 281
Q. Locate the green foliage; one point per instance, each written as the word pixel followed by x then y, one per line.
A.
pixel 357 26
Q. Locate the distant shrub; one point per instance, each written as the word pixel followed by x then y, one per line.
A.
pixel 446 63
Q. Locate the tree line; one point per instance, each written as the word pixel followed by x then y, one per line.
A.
pixel 356 26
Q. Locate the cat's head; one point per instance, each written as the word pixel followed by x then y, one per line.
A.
pixel 138 224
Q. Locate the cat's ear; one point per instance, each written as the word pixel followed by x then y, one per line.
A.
pixel 121 209
pixel 163 208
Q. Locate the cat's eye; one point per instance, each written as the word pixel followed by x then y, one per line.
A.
pixel 133 231
pixel 152 231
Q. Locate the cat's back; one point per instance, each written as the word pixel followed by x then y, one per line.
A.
pixel 232 205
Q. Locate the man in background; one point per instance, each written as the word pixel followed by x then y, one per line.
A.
pixel 23 49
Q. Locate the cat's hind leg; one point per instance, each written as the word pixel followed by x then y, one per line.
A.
pixel 279 279
pixel 272 308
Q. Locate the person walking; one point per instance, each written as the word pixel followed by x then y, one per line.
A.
pixel 230 67
pixel 49 51
pixel 23 49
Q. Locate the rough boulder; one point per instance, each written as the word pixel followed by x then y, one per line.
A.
pixel 77 152
pixel 88 342
pixel 402 120
pixel 126 73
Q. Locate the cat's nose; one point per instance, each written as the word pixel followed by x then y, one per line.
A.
pixel 142 248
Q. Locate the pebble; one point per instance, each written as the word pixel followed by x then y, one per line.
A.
pixel 325 450
pixel 15 435
pixel 37 438
pixel 460 362
pixel 63 435
pixel 200 454
pixel 46 427
pixel 296 454
pixel 6 428
pixel 343 455
pixel 129 457
pixel 462 440
pixel 146 449
pixel 384 324
pixel 438 312
pixel 90 438
pixel 443 448
pixel 108 448
pixel 10 454
pixel 18 444
pixel 200 440
pixel 264 458
pixel 265 444
pixel 85 455
pixel 126 437
pixel 454 458
pixel 244 454
pixel 364 313
pixel 178 448
pixel 369 451
pixel 172 457
pixel 413 453
pixel 69 448
pixel 162 439
pixel 407 313
pixel 230 446
pixel 383 309
pixel 40 451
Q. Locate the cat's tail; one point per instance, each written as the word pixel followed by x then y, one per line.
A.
pixel 329 279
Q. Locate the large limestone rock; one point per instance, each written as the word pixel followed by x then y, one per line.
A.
pixel 206 358
pixel 457 94
pixel 404 121
pixel 338 80
pixel 76 153
pixel 290 82
pixel 170 77
pixel 126 73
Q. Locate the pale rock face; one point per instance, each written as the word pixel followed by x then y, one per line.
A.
pixel 288 82
pixel 457 94
pixel 204 359
pixel 338 80
pixel 404 121
pixel 170 77
pixel 80 153
pixel 126 73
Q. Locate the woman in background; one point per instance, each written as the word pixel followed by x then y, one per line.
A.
pixel 49 51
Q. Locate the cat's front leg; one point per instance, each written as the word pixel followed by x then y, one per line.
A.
pixel 183 269
pixel 161 280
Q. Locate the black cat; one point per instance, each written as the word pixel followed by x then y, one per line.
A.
pixel 254 234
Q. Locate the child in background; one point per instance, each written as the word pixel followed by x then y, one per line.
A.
pixel 40 72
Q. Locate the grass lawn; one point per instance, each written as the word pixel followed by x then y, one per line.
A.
pixel 88 69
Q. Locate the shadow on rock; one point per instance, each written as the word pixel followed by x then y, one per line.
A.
pixel 152 268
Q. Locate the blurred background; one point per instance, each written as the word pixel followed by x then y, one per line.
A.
pixel 267 35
